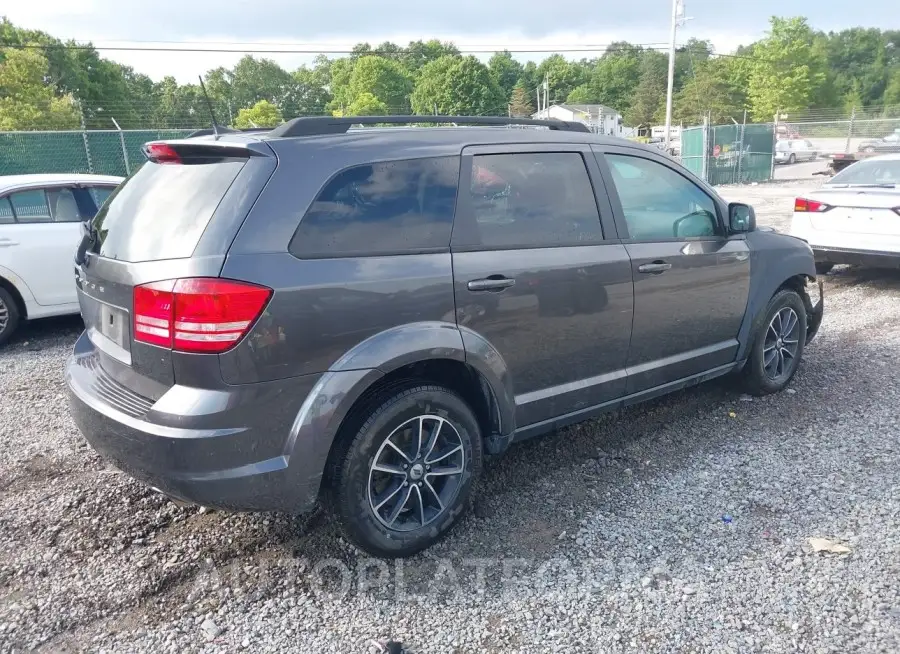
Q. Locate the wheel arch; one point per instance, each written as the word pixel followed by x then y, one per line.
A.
pixel 778 267
pixel 432 352
pixel 10 286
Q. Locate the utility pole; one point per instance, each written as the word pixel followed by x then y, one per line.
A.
pixel 677 14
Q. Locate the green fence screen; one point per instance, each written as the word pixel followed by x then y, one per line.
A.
pixel 729 154
pixel 98 152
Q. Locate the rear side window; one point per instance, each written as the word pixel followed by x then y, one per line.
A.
pixel 6 212
pixel 394 207
pixel 161 211
pixel 540 199
pixel 31 206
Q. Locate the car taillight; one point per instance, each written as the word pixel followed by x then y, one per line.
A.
pixel 197 314
pixel 161 153
pixel 802 204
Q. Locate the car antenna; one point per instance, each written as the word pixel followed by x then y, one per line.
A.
pixel 212 114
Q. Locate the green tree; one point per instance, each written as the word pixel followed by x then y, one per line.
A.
pixel 649 96
pixel 892 91
pixel 506 71
pixel 26 102
pixel 457 86
pixel 419 53
pixel 787 72
pixel 367 104
pixel 262 114
pixel 384 78
pixel 708 91
pixel 520 102
pixel 563 76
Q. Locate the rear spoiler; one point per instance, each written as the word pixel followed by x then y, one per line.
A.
pixel 209 131
pixel 202 151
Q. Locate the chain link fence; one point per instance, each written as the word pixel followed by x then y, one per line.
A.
pixel 870 130
pixel 729 154
pixel 102 152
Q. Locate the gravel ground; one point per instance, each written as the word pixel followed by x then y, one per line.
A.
pixel 681 525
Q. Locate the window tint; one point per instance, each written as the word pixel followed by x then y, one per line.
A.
pixel 100 193
pixel 162 210
pixel 6 212
pixel 533 199
pixel 658 203
pixel 63 206
pixel 391 207
pixel 31 206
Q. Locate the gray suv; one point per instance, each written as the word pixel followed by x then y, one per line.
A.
pixel 364 314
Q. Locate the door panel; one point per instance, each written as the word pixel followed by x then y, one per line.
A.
pixel 691 281
pixel 562 329
pixel 687 317
pixel 539 274
pixel 39 249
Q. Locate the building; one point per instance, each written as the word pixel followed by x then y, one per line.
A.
pixel 600 119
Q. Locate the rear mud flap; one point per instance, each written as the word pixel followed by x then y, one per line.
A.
pixel 815 311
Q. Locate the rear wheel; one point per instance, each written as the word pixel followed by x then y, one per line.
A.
pixel 792 159
pixel 823 267
pixel 407 475
pixel 778 345
pixel 9 315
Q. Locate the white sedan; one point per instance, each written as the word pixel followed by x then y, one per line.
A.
pixel 855 217
pixel 40 229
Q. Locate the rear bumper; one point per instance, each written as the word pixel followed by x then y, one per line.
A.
pixel 866 258
pixel 230 449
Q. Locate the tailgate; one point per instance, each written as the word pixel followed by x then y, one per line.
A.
pixel 172 219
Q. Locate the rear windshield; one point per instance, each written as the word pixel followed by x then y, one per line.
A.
pixel 160 212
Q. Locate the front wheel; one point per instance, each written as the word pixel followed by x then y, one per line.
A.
pixel 9 315
pixel 823 267
pixel 407 475
pixel 792 159
pixel 777 346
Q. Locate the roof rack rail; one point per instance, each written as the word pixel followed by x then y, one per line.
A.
pixel 207 131
pixel 321 125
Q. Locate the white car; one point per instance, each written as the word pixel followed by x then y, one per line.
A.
pixel 855 217
pixel 40 229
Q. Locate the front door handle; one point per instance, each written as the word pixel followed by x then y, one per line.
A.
pixel 655 268
pixel 492 283
pixel 7 243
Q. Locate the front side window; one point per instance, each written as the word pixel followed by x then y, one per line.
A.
pixel 394 207
pixel 41 206
pixel 658 203
pixel 540 199
pixel 100 193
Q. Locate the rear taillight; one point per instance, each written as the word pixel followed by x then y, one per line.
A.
pixel 161 153
pixel 198 314
pixel 802 204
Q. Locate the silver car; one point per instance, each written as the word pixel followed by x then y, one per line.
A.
pixel 788 151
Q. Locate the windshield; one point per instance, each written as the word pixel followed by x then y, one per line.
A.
pixel 873 171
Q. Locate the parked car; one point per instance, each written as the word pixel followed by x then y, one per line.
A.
pixel 890 143
pixel 40 228
pixel 261 330
pixel 854 218
pixel 790 151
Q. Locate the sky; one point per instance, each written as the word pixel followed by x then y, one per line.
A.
pixel 517 25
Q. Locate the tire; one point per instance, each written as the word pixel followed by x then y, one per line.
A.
pixel 792 159
pixel 758 378
pixel 366 500
pixel 9 315
pixel 823 267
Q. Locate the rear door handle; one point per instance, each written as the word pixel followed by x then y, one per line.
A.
pixel 492 283
pixel 654 268
pixel 7 243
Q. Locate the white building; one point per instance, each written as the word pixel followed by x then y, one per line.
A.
pixel 600 119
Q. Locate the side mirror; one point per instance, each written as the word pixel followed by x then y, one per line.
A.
pixel 741 218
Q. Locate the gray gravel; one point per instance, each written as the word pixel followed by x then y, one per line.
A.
pixel 677 526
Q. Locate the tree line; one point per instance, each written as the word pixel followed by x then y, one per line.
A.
pixel 46 83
